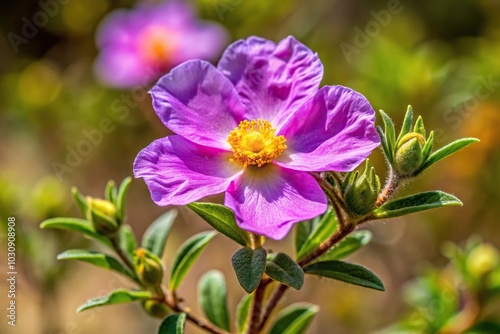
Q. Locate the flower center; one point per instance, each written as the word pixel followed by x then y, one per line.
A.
pixel 157 44
pixel 254 143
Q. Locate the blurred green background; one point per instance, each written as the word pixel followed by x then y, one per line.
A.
pixel 442 57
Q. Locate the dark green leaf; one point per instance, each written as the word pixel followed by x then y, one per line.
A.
pixel 155 236
pixel 249 265
pixel 186 256
pixel 485 327
pixel 350 244
pixel 242 314
pixel 173 324
pixel 302 231
pixel 415 203
pixel 447 151
pixel 77 225
pixel 294 319
pixel 346 272
pixel 213 298
pixel 285 270
pixel 120 198
pixel 118 296
pixel 98 259
pixel 80 201
pixel 326 226
pixel 127 240
pixel 406 127
pixel 222 219
pixel 111 191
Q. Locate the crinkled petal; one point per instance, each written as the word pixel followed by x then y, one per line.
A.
pixel 178 172
pixel 272 80
pixel 198 102
pixel 269 199
pixel 333 131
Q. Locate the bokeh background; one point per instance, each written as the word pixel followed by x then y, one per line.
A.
pixel 442 57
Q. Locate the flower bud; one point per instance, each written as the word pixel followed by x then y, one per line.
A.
pixel 102 215
pixel 155 308
pixel 148 267
pixel 408 157
pixel 482 259
pixel 362 191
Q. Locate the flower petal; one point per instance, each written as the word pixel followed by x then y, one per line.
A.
pixel 198 102
pixel 333 131
pixel 269 199
pixel 272 80
pixel 179 172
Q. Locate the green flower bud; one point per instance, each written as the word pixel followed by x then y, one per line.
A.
pixel 408 157
pixel 482 260
pixel 361 192
pixel 148 267
pixel 155 308
pixel 102 215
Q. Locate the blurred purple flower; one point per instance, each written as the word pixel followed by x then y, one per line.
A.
pixel 254 127
pixel 138 46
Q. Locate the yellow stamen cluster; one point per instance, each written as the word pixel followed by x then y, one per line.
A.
pixel 255 143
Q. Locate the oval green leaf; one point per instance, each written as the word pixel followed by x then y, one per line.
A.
pixel 346 272
pixel 350 244
pixel 284 269
pixel 294 319
pixel 186 256
pixel 98 259
pixel 242 314
pixel 173 324
pixel 249 265
pixel 77 225
pixel 120 197
pixel 222 219
pixel 156 234
pixel 416 203
pixel 118 296
pixel 212 293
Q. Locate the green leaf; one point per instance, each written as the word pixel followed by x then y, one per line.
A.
pixel 406 127
pixel 346 272
pixel 242 314
pixel 80 201
pixel 284 269
pixel 447 151
pixel 427 148
pixel 222 219
pixel 389 133
pixel 118 296
pixel 155 236
pixel 485 327
pixel 77 225
pixel 326 226
pixel 120 197
pixel 212 294
pixel 127 240
pixel 350 244
pixel 302 231
pixel 249 265
pixel 294 319
pixel 385 145
pixel 110 192
pixel 173 324
pixel 186 256
pixel 415 203
pixel 98 259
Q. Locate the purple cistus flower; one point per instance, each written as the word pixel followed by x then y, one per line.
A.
pixel 139 45
pixel 255 127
